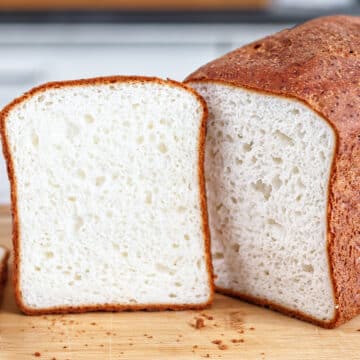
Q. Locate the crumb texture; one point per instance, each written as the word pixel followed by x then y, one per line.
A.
pixel 267 170
pixel 108 195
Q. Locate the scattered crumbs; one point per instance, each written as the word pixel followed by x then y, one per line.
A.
pixel 54 358
pixel 108 333
pixel 93 323
pixel 195 346
pixel 177 340
pixel 145 334
pixel 220 344
pixel 180 335
pixel 236 341
pixel 222 334
pixel 150 337
pixel 206 316
pixel 101 345
pixel 207 355
pixel 262 353
pixel 358 330
pixel 37 354
pixel 241 331
pixel 252 328
pixel 200 323
pixel 64 347
pixel 86 344
pixel 33 327
pixel 131 344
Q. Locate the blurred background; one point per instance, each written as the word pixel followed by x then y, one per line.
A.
pixel 44 40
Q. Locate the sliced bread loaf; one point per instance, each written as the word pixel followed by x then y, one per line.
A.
pixel 282 167
pixel 108 196
pixel 4 256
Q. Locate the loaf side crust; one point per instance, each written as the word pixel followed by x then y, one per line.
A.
pixel 317 63
pixel 14 211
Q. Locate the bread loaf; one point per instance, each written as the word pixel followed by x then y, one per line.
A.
pixel 283 169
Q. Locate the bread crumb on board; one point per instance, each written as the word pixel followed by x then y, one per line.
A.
pixel 198 323
pixel 220 344
pixel 236 341
pixel 37 354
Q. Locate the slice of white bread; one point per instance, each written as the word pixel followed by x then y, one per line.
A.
pixel 282 168
pixel 4 256
pixel 108 196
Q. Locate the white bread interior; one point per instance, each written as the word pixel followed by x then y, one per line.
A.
pixel 108 196
pixel 267 166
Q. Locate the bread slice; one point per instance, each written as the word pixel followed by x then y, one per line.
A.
pixel 282 167
pixel 4 256
pixel 108 196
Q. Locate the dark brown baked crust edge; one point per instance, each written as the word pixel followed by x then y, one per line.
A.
pixel 4 271
pixel 12 179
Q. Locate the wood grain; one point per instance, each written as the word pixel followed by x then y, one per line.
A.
pixel 133 4
pixel 266 335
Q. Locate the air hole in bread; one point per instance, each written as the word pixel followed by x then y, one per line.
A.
pixel 308 268
pixel 100 180
pixel 81 174
pixel 276 182
pixel 89 119
pixel 277 160
pixel 35 139
pixel 264 189
pixel 148 197
pixel 247 147
pixel 164 269
pixel 162 148
pixel 284 139
pixel 218 255
pixel 79 222
pixel 49 254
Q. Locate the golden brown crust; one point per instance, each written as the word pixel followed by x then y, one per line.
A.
pixel 317 63
pixel 16 230
pixel 3 271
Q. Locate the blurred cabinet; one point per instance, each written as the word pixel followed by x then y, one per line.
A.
pixel 132 4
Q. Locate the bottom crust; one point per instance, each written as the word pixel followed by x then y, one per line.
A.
pixel 279 308
pixel 111 308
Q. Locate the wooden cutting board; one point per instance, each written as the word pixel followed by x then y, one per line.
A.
pixel 232 330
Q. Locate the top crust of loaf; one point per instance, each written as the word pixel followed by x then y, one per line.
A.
pixel 12 178
pixel 317 63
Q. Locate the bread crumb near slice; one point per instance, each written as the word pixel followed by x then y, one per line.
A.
pixel 108 196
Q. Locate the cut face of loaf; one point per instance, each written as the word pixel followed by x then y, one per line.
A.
pixel 108 196
pixel 267 169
